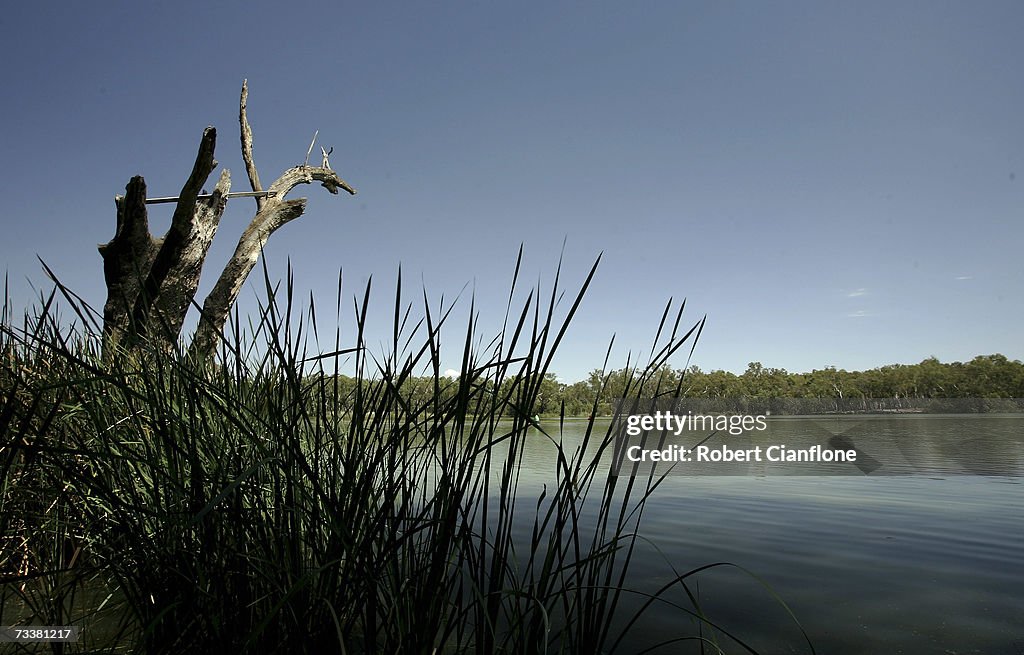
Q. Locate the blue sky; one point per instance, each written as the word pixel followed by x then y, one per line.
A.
pixel 832 184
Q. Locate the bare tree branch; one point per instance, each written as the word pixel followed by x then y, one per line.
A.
pixel 127 259
pixel 311 147
pixel 297 175
pixel 246 136
pixel 180 285
pixel 183 227
pixel 276 212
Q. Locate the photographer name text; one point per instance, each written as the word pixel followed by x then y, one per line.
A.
pixel 723 453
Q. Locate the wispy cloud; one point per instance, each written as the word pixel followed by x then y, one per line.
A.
pixel 964 277
pixel 857 293
pixel 860 313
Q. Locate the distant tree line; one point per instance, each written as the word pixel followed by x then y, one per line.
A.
pixel 985 376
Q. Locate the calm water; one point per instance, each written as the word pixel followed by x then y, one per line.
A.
pixel 928 561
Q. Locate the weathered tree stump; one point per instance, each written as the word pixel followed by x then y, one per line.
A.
pixel 151 282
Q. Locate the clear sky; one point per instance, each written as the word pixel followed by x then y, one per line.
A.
pixel 831 183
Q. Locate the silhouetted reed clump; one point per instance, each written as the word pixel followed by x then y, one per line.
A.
pixel 268 502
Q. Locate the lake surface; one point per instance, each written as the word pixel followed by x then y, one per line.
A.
pixel 926 559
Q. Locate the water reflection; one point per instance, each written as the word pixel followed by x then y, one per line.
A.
pixel 923 558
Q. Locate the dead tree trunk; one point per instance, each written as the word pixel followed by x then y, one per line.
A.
pixel 151 283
